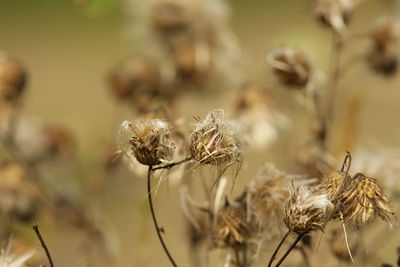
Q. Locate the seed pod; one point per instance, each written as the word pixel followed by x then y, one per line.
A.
pixel 334 14
pixel 168 16
pixel 214 141
pixel 18 195
pixel 134 79
pixel 307 210
pixel 383 55
pixel 361 198
pixel 147 140
pixel 12 78
pixel 231 228
pixel 333 184
pixel 292 67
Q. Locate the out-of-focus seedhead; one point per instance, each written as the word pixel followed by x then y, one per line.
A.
pixel 12 78
pixel 307 210
pixel 292 67
pixel 383 56
pixel 335 14
pixel 231 229
pixel 147 140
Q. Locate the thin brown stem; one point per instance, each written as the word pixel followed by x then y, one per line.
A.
pixel 169 166
pixel 327 116
pixel 158 229
pixel 35 227
pixel 277 248
pixel 290 249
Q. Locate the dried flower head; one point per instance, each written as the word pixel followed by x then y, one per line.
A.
pixel 361 198
pixel 168 16
pixel 334 14
pixel 231 229
pixel 334 183
pixel 147 140
pixel 265 197
pixel 257 116
pixel 383 55
pixel 18 195
pixel 12 78
pixel 307 210
pixel 12 260
pixel 292 67
pixel 214 141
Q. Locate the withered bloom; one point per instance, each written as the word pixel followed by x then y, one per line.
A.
pixel 335 14
pixel 383 55
pixel 307 210
pixel 18 195
pixel 147 140
pixel 265 197
pixel 361 198
pixel 292 67
pixel 12 78
pixel 257 116
pixel 231 229
pixel 214 141
pixel 136 80
pixel 334 183
pixel 168 16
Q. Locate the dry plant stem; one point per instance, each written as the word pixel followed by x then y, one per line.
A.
pixel 277 248
pixel 35 227
pixel 158 230
pixel 299 237
pixel 169 166
pixel 327 119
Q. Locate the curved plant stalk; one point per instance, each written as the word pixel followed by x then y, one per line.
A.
pixel 299 237
pixel 277 248
pixel 153 215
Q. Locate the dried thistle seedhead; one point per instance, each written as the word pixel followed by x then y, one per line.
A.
pixel 337 244
pixel 335 14
pixel 333 184
pixel 18 195
pixel 12 78
pixel 147 140
pixel 136 80
pixel 383 55
pixel 231 229
pixel 265 198
pixel 214 141
pixel 361 198
pixel 258 118
pixel 8 259
pixel 292 67
pixel 307 210
pixel 60 140
pixel 168 16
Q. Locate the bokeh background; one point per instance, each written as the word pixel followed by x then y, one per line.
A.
pixel 69 47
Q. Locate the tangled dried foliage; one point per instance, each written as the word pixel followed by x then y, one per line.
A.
pixel 147 140
pixel 214 141
pixel 307 210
